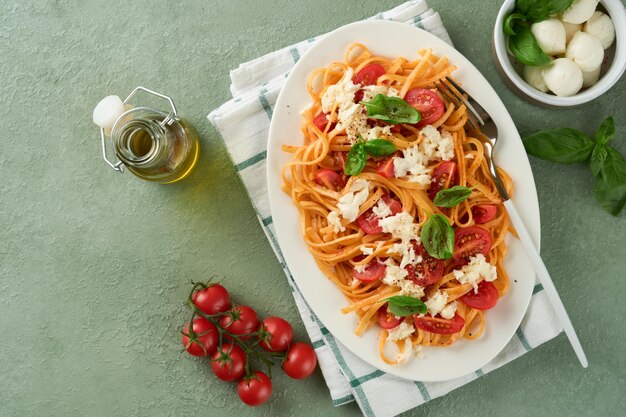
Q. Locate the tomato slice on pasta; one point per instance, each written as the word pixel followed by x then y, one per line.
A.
pixel 439 325
pixel 428 103
pixel 443 177
pixel 386 319
pixel 470 241
pixel 484 213
pixel 369 222
pixel 369 74
pixel 329 179
pixel 484 299
pixel 372 272
pixel 429 271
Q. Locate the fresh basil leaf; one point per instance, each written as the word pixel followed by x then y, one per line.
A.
pixel 557 6
pixel 356 159
pixel 403 306
pixel 392 110
pixel 438 237
pixel 563 145
pixel 610 188
pixel 525 48
pixel 450 197
pixel 606 131
pixel 379 147
pixel 536 10
pixel 598 156
pixel 511 21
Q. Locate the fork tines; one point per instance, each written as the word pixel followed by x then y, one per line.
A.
pixel 453 92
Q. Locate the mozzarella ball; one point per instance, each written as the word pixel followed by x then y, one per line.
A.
pixel 550 35
pixel 601 26
pixel 534 77
pixel 107 111
pixel 591 77
pixel 563 77
pixel 580 11
pixel 570 29
pixel 586 51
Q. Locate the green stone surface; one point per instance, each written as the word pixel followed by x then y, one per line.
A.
pixel 95 266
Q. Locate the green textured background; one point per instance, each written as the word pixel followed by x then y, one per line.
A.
pixel 94 266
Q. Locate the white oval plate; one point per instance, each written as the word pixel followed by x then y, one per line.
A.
pixel 438 364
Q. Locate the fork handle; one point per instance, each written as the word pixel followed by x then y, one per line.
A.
pixel 546 281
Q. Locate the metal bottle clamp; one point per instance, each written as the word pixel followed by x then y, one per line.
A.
pixel 168 120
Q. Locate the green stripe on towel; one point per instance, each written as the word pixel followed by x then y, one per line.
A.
pixel 251 161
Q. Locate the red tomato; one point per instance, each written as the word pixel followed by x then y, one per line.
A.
pixel 321 120
pixel 484 213
pixel 470 241
pixel 427 102
pixel 206 338
pixel 484 299
pixel 340 160
pixel 229 363
pixel 329 179
pixel 279 334
pixel 443 177
pixel 368 221
pixel 369 74
pixel 429 271
pixel 242 322
pixel 358 96
pixel 439 325
pixel 386 168
pixel 386 319
pixel 255 390
pixel 300 361
pixel 212 300
pixel 373 272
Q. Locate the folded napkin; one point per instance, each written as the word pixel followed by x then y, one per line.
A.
pixel 243 123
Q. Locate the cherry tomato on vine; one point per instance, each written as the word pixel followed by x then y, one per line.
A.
pixel 212 300
pixel 278 332
pixel 300 361
pixel 255 390
pixel 240 320
pixel 205 340
pixel 229 362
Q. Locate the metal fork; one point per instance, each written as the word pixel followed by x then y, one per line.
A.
pixel 479 118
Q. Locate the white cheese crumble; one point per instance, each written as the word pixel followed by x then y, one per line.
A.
pixel 371 91
pixel 408 349
pixel 477 268
pixel 360 268
pixel 366 251
pixel 401 226
pixel 438 304
pixel 350 202
pixel 402 331
pixel 381 209
pixel 449 311
pixel 335 222
pixel 396 276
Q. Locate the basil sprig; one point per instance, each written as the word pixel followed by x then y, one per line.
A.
pixel 392 110
pixel 450 197
pixel 568 146
pixel 403 306
pixel 522 43
pixel 357 157
pixel 438 237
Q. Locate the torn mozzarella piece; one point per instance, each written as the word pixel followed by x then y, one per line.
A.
pixel 402 331
pixel 401 226
pixel 550 35
pixel 534 78
pixel 350 202
pixel 563 77
pixel 477 268
pixel 449 311
pixel 360 268
pixel 586 51
pixel 437 302
pixel 366 251
pixel 579 11
pixel 335 222
pixel 601 26
pixel 381 209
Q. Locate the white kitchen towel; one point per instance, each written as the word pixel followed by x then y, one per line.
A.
pixel 243 123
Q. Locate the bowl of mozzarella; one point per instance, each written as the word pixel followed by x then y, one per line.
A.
pixel 585 46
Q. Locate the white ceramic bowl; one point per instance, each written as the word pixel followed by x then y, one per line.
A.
pixel 610 74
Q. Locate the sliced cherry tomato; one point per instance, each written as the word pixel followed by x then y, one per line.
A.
pixel 484 299
pixel 229 362
pixel 255 390
pixel 369 74
pixel 373 272
pixel 368 221
pixel 358 96
pixel 386 319
pixel 484 213
pixel 429 271
pixel 321 120
pixel 206 338
pixel 300 361
pixel 212 300
pixel 240 320
pixel 470 241
pixel 340 160
pixel 329 179
pixel 396 128
pixel 386 168
pixel 428 103
pixel 439 325
pixel 278 333
pixel 443 177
